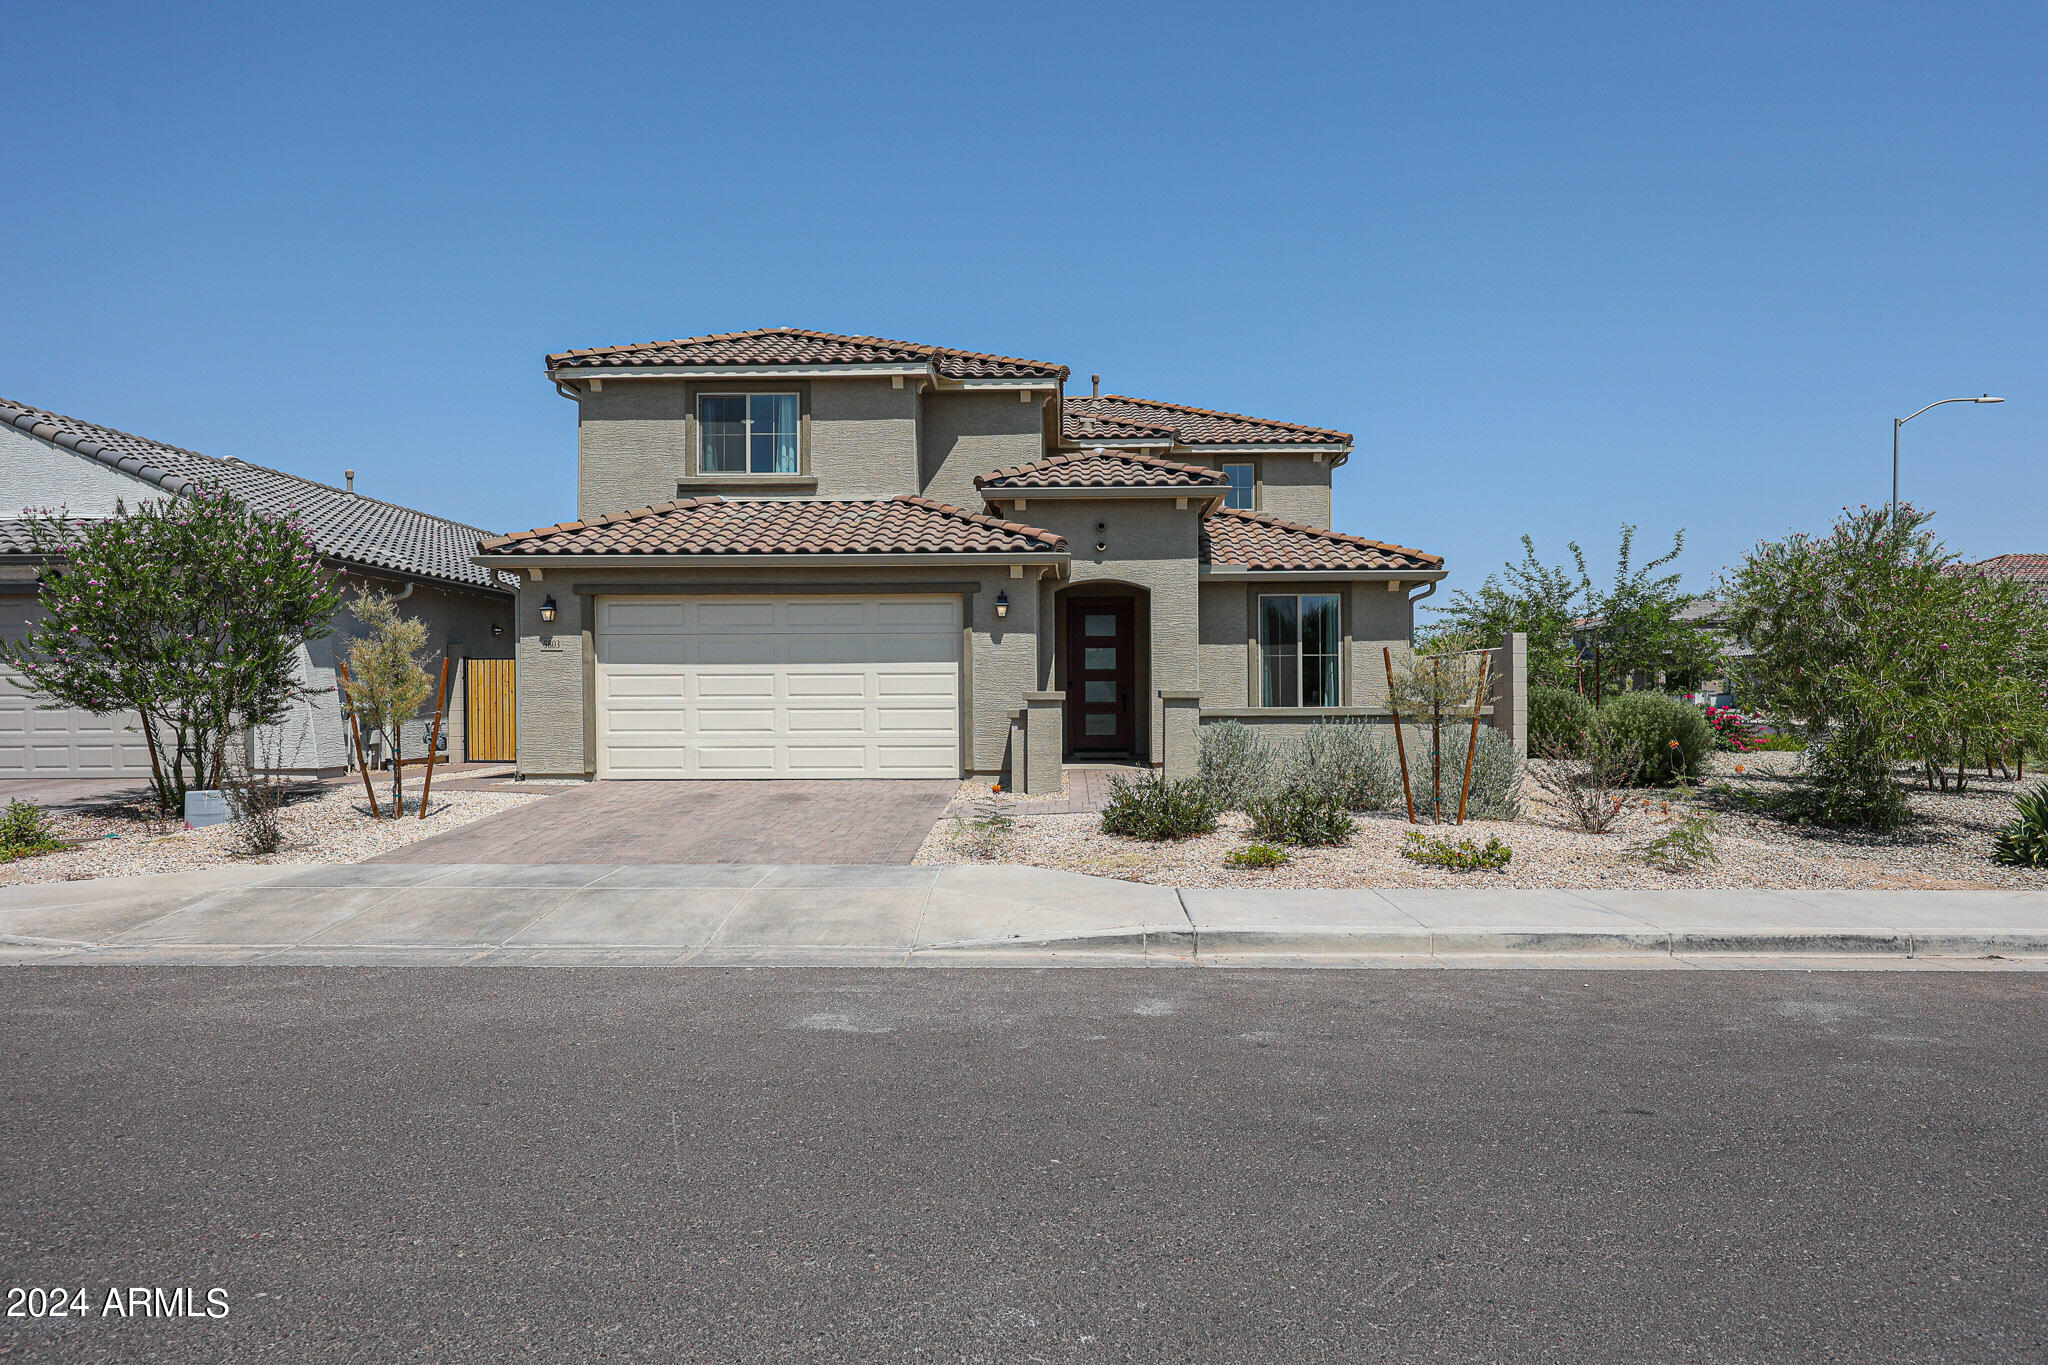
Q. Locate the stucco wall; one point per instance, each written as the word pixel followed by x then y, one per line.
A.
pixel 1373 618
pixel 636 443
pixel 965 434
pixel 1291 487
pixel 1152 545
pixel 557 719
pixel 458 625
pixel 38 476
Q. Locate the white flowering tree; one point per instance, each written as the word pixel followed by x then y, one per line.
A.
pixel 188 612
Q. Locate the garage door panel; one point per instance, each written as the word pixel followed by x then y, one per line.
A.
pixel 62 742
pixel 844 686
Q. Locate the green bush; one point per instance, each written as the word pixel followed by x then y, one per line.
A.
pixel 1352 762
pixel 1671 738
pixel 1312 817
pixel 25 831
pixel 1459 855
pixel 2024 842
pixel 1234 765
pixel 1258 855
pixel 1496 774
pixel 1557 717
pixel 1154 809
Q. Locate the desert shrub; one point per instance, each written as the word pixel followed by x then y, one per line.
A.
pixel 1153 808
pixel 1557 717
pixel 1352 762
pixel 1585 779
pixel 25 831
pixel 1459 855
pixel 1312 817
pixel 1258 855
pixel 2024 842
pixel 1846 781
pixel 1670 737
pixel 1685 846
pixel 1496 776
pixel 986 833
pixel 1235 763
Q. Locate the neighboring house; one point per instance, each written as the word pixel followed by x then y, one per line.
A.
pixel 50 463
pixel 799 554
pixel 2031 570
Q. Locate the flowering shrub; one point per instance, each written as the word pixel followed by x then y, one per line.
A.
pixel 1732 733
pixel 189 612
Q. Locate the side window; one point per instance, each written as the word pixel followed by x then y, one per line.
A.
pixel 1244 486
pixel 747 433
pixel 1301 651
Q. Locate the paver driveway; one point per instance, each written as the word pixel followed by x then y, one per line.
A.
pixel 701 822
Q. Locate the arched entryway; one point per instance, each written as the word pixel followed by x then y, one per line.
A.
pixel 1103 662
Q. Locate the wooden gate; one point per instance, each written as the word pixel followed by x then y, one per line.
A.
pixel 489 734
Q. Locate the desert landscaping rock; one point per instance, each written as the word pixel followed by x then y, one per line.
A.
pixel 332 826
pixel 1947 847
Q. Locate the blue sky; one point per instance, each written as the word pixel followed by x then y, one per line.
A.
pixel 1557 267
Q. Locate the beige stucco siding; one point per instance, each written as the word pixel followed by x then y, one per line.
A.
pixel 1292 487
pixel 1152 545
pixel 965 434
pixel 636 442
pixel 557 717
pixel 1373 617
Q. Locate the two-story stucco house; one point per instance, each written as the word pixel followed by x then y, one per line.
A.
pixel 799 554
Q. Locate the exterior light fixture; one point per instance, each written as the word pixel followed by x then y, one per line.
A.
pixel 496 630
pixel 1002 605
pixel 547 611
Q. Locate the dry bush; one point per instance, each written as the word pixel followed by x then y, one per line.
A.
pixel 1586 779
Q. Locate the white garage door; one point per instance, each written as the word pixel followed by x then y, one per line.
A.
pixel 39 743
pixel 778 687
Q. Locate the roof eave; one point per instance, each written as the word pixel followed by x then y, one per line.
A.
pixel 1247 572
pixel 1121 491
pixel 796 559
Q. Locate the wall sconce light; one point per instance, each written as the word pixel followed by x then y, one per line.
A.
pixel 496 630
pixel 1002 605
pixel 1101 546
pixel 547 611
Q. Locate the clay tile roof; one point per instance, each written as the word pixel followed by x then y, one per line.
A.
pixel 1103 469
pixel 342 526
pixel 792 526
pixel 1193 426
pixel 1254 540
pixel 794 346
pixel 2026 568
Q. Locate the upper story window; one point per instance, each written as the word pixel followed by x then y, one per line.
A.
pixel 1300 651
pixel 747 433
pixel 1244 486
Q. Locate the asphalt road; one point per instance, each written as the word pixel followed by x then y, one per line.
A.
pixel 819 1164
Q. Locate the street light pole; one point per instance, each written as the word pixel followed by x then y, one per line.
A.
pixel 1898 422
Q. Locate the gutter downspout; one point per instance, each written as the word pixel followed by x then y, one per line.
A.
pixel 565 390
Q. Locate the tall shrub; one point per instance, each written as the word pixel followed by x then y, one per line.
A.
pixel 1889 649
pixel 1234 763
pixel 1557 717
pixel 1670 737
pixel 189 612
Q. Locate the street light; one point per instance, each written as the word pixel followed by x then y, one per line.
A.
pixel 1898 422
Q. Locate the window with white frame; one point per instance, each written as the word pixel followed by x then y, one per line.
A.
pixel 1244 486
pixel 1300 650
pixel 747 433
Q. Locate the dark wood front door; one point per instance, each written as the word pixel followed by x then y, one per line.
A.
pixel 1102 673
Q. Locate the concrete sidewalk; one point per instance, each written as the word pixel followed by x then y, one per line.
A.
pixel 1009 916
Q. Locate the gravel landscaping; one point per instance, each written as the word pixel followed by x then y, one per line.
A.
pixel 1947 847
pixel 327 825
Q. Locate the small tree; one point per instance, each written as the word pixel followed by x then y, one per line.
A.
pixel 1635 619
pixel 1889 649
pixel 388 682
pixel 189 612
pixel 1438 694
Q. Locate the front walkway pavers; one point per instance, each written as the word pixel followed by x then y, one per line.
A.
pixel 970 915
